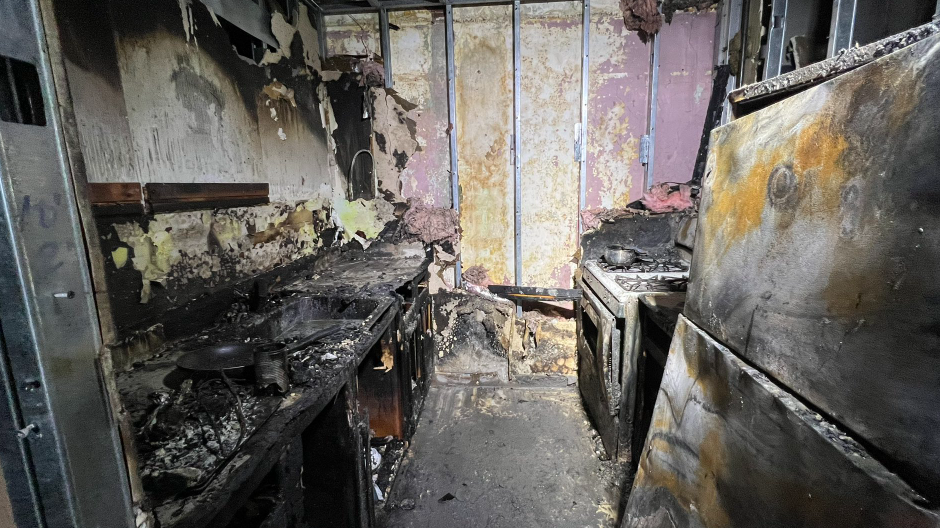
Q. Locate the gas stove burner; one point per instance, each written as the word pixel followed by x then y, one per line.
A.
pixel 645 265
pixel 666 284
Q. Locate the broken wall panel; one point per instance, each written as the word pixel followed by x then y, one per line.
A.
pixel 550 37
pixel 484 84
pixel 353 35
pixel 685 81
pixel 420 77
pixel 617 109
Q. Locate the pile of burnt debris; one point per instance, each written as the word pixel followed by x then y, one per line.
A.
pixel 188 424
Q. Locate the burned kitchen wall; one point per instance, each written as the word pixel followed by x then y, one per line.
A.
pixel 411 127
pixel 170 92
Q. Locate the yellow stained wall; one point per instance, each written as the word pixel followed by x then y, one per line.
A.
pixel 483 59
pixel 550 36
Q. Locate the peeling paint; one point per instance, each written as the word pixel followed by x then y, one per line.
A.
pixel 214 246
pixel 483 57
pixel 189 25
pixel 617 108
pixel 362 220
pixel 396 126
pixel 551 93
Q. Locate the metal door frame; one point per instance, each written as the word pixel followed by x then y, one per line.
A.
pixel 64 452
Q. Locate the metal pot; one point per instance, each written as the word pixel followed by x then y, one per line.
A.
pixel 619 256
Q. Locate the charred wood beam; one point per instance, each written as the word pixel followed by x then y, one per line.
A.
pixel 164 197
pixel 534 293
pixel 116 198
pixel 403 5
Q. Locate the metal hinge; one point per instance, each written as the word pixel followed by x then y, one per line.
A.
pixel 577 142
pixel 644 149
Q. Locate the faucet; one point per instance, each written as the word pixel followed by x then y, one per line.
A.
pixel 375 190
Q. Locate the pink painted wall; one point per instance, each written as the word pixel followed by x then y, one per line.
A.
pixel 685 82
pixel 618 81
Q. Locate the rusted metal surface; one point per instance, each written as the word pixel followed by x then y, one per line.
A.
pixel 817 251
pixel 728 447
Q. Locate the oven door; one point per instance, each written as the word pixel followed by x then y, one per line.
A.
pixel 601 341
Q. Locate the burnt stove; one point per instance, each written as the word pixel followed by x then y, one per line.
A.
pixel 653 284
pixel 613 343
pixel 646 265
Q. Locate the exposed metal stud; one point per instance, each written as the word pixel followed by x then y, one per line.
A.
pixel 517 139
pixel 776 39
pixel 321 33
pixel 65 467
pixel 653 94
pixel 936 15
pixel 733 25
pixel 842 29
pixel 452 121
pixel 386 46
pixel 585 92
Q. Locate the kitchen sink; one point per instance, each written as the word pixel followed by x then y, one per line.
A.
pixel 300 318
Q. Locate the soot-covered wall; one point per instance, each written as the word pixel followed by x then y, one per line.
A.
pixel 412 149
pixel 160 95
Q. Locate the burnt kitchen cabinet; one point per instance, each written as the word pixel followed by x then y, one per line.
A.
pixel 333 465
pixel 418 345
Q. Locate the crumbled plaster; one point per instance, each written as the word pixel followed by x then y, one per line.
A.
pixel 362 220
pixel 284 32
pixel 481 339
pixel 277 91
pixel 326 116
pixel 393 122
pixel 214 246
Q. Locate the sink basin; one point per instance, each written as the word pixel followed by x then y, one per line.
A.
pixel 295 319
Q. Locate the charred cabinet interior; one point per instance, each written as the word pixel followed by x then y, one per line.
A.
pixel 398 263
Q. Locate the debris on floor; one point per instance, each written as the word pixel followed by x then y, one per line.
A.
pixel 489 456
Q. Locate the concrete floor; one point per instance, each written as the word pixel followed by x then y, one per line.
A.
pixel 510 456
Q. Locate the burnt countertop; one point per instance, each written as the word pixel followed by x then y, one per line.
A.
pixel 383 268
pixel 191 441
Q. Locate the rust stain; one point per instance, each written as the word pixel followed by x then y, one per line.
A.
pixel 740 184
pixel 483 58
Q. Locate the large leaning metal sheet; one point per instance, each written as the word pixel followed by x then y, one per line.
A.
pixel 818 251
